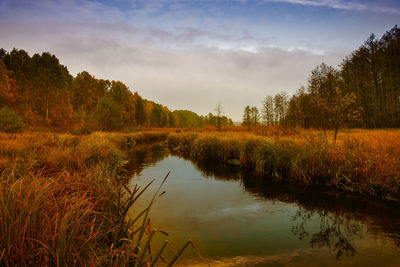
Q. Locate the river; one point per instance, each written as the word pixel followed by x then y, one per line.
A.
pixel 236 218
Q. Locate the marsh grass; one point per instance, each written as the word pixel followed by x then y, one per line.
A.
pixel 364 161
pixel 63 202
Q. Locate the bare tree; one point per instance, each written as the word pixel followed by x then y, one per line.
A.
pixel 254 116
pixel 268 110
pixel 218 115
pixel 281 106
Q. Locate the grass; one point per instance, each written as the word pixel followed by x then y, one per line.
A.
pixel 52 152
pixel 63 202
pixel 364 161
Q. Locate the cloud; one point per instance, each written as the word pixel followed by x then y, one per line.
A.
pixel 175 58
pixel 181 78
pixel 344 5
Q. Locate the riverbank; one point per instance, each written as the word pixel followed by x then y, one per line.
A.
pixel 363 161
pixel 62 202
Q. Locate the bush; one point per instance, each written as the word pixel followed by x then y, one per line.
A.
pixel 10 122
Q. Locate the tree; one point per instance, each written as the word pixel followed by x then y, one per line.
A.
pixel 343 110
pixel 268 110
pixel 280 107
pixel 247 117
pixel 140 114
pixel 187 118
pixel 156 114
pixel 5 86
pixel 106 116
pixel 254 116
pixel 10 122
pixel 218 115
pixel 86 92
pixel 48 75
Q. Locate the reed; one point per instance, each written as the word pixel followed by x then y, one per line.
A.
pixel 63 202
pixel 364 161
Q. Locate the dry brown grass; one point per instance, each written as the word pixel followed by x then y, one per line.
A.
pixel 365 161
pixel 53 152
pixel 62 202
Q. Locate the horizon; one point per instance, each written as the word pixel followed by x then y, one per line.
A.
pixel 179 53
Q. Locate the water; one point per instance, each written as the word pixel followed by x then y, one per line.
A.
pixel 236 218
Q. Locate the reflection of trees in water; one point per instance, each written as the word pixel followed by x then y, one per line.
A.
pixel 144 155
pixel 341 217
pixel 214 170
pixel 335 232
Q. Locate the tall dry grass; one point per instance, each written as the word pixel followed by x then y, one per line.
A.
pixel 51 152
pixel 63 203
pixel 365 161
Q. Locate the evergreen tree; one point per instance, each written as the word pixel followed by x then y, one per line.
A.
pixel 247 117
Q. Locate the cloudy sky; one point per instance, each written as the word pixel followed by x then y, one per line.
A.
pixel 192 54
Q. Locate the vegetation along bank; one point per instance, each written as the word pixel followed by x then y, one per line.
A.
pixel 364 161
pixel 63 202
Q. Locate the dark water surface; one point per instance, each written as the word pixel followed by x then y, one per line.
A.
pixel 239 219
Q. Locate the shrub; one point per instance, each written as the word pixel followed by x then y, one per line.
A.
pixel 10 122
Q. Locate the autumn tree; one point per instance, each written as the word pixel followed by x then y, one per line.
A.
pixel 5 87
pixel 49 75
pixel 300 109
pixel 343 110
pixel 140 114
pixel 106 116
pixel 86 93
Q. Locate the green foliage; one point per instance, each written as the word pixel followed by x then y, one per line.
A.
pixel 188 118
pixel 10 122
pixel 106 116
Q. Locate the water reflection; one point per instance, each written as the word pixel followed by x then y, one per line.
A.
pixel 342 216
pixel 324 218
pixel 143 156
pixel 335 232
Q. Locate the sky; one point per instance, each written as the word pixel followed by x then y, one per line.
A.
pixel 194 54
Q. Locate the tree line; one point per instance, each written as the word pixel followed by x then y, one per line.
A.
pixel 364 91
pixel 42 92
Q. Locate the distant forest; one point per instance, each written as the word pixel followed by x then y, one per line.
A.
pixel 43 93
pixel 363 92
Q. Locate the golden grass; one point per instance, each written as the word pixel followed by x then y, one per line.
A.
pixel 52 152
pixel 365 161
pixel 62 202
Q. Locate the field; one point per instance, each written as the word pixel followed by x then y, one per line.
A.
pixel 364 161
